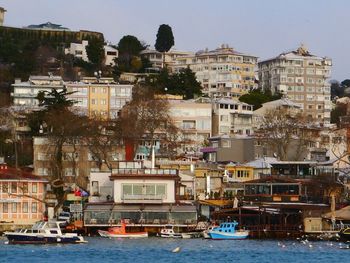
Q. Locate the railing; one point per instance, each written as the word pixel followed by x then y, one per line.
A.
pixel 132 171
pixel 143 197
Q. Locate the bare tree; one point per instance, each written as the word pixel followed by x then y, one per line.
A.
pixel 286 133
pixel 145 117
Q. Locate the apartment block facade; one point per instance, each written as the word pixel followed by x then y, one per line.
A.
pixel 222 72
pixel 95 97
pixel 302 77
pixel 231 117
pixel 103 98
pixel 194 118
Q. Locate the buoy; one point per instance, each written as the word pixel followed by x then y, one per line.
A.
pixel 176 250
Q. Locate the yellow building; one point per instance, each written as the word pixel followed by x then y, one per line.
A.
pixel 99 97
pixel 239 173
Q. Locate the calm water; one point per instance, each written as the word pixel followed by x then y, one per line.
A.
pixel 192 250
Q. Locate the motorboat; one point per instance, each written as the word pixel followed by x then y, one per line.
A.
pixel 120 231
pixel 228 231
pixel 345 234
pixel 168 232
pixel 43 232
pixel 205 233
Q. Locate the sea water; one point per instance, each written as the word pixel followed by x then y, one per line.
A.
pixel 178 250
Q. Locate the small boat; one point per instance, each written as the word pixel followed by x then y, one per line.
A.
pixel 43 232
pixel 168 232
pixel 120 231
pixel 228 231
pixel 345 234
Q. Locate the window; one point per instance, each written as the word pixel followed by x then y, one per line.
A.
pixel 95 188
pixel 25 207
pixel 5 207
pixel 14 207
pixel 25 188
pixel 68 171
pixel 5 187
pixel 93 90
pixel 103 102
pixel 94 101
pixel 34 188
pixel 13 187
pixel 34 207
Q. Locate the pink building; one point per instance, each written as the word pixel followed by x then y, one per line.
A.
pixel 21 196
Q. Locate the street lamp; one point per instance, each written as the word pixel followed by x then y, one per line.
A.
pixel 98 75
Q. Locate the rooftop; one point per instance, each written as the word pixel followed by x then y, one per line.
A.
pixel 48 25
pixel 9 173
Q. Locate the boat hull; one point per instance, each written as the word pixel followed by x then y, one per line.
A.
pixel 176 235
pixel 103 233
pixel 31 239
pixel 223 235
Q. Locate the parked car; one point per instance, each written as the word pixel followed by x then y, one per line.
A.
pixel 64 216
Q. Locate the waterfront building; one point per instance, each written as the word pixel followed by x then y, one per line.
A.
pixel 222 72
pixel 302 77
pixel 231 117
pixel 144 197
pixel 20 195
pixel 78 50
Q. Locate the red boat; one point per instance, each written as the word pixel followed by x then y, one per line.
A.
pixel 120 231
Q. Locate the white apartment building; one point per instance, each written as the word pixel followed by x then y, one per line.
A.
pixel 194 118
pixel 24 93
pixel 231 117
pixel 222 72
pixel 302 77
pixel 156 58
pixel 79 50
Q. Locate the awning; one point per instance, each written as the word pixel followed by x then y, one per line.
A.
pixel 208 150
pixel 184 208
pixel 98 207
pixel 341 214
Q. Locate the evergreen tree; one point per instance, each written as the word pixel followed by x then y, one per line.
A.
pixel 165 40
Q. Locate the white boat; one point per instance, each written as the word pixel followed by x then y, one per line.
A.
pixel 205 233
pixel 43 232
pixel 168 232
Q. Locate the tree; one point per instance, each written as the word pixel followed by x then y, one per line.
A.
pixel 257 97
pixel 129 48
pixel 95 51
pixel 285 133
pixel 61 127
pixel 165 40
pixel 183 83
pixel 149 114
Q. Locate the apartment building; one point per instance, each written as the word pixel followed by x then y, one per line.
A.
pixel 302 77
pixel 156 58
pixel 78 159
pixel 221 72
pixel 79 50
pixel 24 93
pixel 194 118
pixel 230 117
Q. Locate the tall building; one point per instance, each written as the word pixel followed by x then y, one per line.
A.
pixel 221 72
pixel 302 77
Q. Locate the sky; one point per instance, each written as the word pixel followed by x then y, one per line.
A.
pixel 264 28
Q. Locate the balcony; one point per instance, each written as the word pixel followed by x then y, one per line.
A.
pixel 142 198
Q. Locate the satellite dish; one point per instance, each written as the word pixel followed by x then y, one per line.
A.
pixel 275 155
